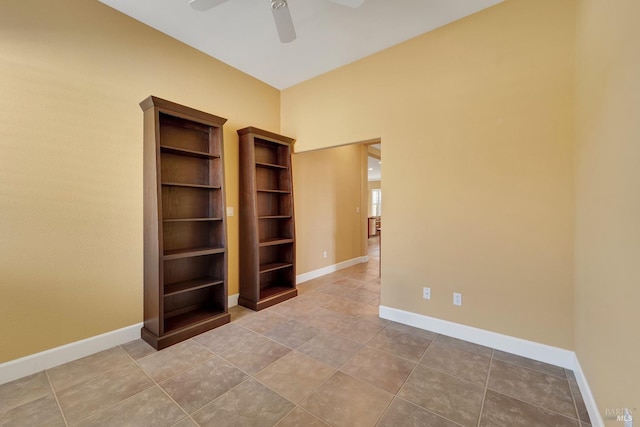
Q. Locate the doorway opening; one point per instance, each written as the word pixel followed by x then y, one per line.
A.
pixel 374 197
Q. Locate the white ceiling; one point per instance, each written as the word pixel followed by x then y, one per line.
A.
pixel 242 34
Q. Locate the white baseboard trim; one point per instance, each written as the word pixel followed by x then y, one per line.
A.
pixel 233 300
pixel 587 396
pixel 24 366
pixel 533 350
pixel 305 277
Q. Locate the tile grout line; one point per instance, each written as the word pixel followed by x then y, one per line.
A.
pixel 395 395
pixel 534 405
pixel 156 384
pixel 430 411
pixel 182 371
pixel 55 396
pixel 573 398
pixel 285 415
pixel 217 398
pixel 486 385
pixel 95 376
pixel 535 370
pixel 386 409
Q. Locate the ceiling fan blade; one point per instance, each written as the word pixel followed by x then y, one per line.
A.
pixel 348 3
pixel 284 24
pixel 203 5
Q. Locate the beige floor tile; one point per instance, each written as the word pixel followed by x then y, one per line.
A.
pixel 301 418
pixel 379 368
pixel 447 396
pixel 503 411
pixel 255 354
pixel 151 407
pixel 99 393
pixel 540 389
pixel 583 414
pixel 411 330
pixel 372 286
pixel 369 313
pixel 39 412
pixel 262 321
pixel 202 384
pixel 463 345
pixel 72 373
pixel 335 290
pixel 249 405
pixel 407 346
pixel 364 296
pixel 323 319
pixel 237 312
pixel 295 376
pixel 138 349
pixel 358 330
pixel 545 368
pixel 405 414
pixel 23 390
pixel 375 302
pixel 333 324
pixel 186 422
pixel 175 359
pixel 330 349
pixel 344 401
pixel 292 333
pixel 348 282
pixel 294 306
pixel 225 337
pixel 469 366
pixel 336 304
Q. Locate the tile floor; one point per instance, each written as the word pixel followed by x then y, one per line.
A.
pixel 323 358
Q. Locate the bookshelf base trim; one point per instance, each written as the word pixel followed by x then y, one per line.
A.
pixel 174 337
pixel 269 301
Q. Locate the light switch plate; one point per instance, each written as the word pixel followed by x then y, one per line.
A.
pixel 229 211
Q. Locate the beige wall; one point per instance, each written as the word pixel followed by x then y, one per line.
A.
pixel 608 202
pixel 72 74
pixel 480 113
pixel 328 188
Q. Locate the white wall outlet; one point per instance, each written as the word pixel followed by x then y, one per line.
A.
pixel 358 209
pixel 426 293
pixel 229 211
pixel 324 254
pixel 457 298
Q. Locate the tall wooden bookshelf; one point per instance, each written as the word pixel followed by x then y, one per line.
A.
pixel 267 226
pixel 185 249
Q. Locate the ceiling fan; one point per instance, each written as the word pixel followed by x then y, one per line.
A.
pixel 280 10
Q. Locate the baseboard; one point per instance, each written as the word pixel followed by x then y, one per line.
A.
pixel 305 277
pixel 587 396
pixel 47 359
pixel 533 350
pixel 24 366
pixel 233 300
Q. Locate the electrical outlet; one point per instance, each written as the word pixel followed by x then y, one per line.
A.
pixel 324 254
pixel 426 293
pixel 457 298
pixel 229 211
